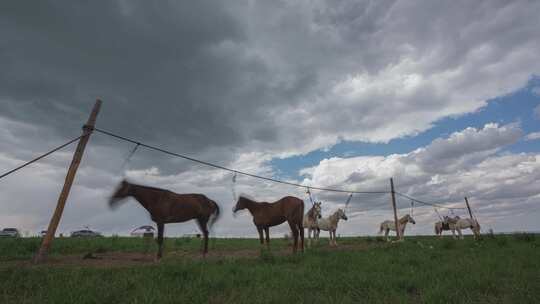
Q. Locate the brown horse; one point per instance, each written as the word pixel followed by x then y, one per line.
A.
pixel 166 207
pixel 266 215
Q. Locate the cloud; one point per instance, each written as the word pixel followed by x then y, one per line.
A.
pixel 537 111
pixel 536 91
pixel 467 146
pixel 309 76
pixel 245 84
pixel 533 136
pixel 442 172
pixel 498 186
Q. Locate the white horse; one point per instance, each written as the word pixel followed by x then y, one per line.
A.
pixel 330 224
pixel 448 223
pixel 310 221
pixel 386 226
pixel 468 223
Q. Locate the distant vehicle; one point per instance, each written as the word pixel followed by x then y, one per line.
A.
pixel 10 232
pixel 192 235
pixel 85 233
pixel 43 233
pixel 143 231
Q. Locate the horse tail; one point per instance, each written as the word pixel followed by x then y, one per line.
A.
pixel 381 229
pixel 215 214
pixel 436 229
pixel 301 215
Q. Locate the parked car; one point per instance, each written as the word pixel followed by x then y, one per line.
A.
pixel 10 232
pixel 143 231
pixel 85 233
pixel 43 233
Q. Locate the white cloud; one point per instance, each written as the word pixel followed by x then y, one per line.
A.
pixel 464 164
pixel 537 111
pixel 533 136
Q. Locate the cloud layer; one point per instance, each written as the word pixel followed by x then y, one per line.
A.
pixel 244 82
pixel 500 186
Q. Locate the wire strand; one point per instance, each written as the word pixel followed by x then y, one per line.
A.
pixel 429 204
pixel 232 170
pixel 41 156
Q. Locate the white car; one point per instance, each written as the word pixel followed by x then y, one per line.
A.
pixel 143 231
pixel 10 232
pixel 85 233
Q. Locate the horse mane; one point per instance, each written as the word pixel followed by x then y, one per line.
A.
pixel 246 196
pixel 147 187
pixel 335 214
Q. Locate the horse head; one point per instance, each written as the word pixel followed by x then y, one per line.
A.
pixel 410 219
pixel 122 191
pixel 341 214
pixel 317 210
pixel 240 204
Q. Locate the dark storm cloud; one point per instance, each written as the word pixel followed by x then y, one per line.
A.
pixel 283 77
pixel 159 69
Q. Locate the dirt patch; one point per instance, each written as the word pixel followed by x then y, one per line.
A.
pixel 106 260
pixel 127 259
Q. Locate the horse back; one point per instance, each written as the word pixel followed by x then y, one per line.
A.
pixel 292 205
pixel 288 208
pixel 184 207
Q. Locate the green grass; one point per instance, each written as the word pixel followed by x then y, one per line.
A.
pixel 502 269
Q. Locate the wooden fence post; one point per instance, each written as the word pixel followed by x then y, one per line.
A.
pixel 398 232
pixel 41 255
pixel 468 207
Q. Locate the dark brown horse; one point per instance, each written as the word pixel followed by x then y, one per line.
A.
pixel 266 215
pixel 166 207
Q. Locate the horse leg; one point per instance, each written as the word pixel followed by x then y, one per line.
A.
pixel 460 234
pixel 160 227
pixel 202 225
pixel 294 231
pixel 386 232
pixel 475 233
pixel 301 229
pixel 260 230
pixel 267 231
pixel 309 236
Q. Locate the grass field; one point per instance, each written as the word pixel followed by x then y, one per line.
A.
pixel 500 269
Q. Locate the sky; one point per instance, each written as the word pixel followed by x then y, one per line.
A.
pixel 442 96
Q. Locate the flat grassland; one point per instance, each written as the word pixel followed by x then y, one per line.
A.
pixel 497 269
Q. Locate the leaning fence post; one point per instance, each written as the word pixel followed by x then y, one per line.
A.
pixel 41 255
pixel 393 192
pixel 468 207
